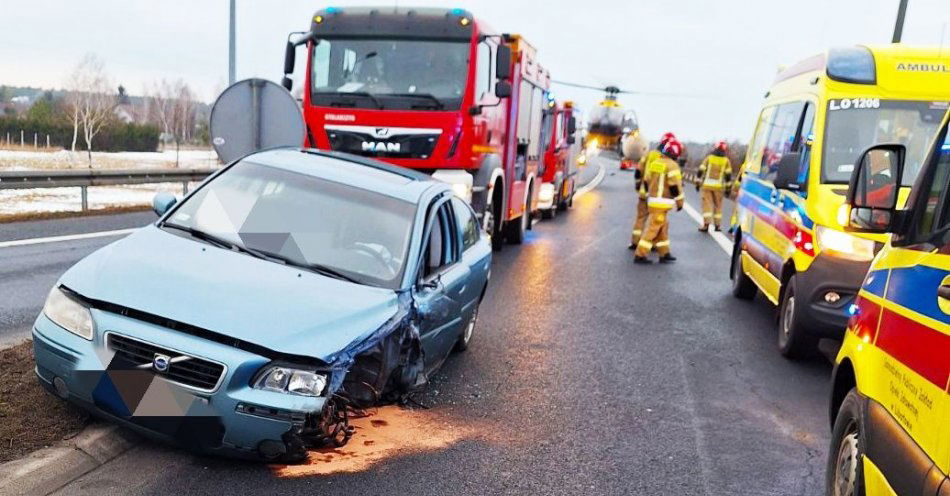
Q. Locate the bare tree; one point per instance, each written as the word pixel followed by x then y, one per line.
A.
pixel 172 106
pixel 89 100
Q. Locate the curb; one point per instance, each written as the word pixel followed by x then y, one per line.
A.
pixel 49 469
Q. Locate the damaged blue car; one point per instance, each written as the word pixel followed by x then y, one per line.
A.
pixel 289 288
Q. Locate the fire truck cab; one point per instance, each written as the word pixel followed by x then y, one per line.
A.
pixel 434 90
pixel 556 191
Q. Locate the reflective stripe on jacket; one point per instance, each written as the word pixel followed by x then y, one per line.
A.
pixel 658 178
pixel 714 170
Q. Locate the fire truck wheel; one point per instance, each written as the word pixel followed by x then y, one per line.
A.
pixel 491 223
pixel 516 228
pixel 549 213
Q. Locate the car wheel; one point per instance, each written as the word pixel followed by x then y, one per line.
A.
pixel 845 473
pixel 466 337
pixel 794 341
pixel 742 285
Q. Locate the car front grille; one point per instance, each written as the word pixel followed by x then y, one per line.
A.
pixel 183 369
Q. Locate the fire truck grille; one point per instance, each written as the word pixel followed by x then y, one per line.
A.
pixel 396 146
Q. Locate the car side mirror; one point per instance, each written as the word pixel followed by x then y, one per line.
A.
pixel 872 193
pixel 163 202
pixel 503 62
pixel 502 89
pixel 787 176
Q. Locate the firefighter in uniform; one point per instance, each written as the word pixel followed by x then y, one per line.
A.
pixel 715 181
pixel 642 211
pixel 663 187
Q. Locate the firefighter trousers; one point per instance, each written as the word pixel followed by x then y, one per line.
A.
pixel 712 206
pixel 657 233
pixel 641 221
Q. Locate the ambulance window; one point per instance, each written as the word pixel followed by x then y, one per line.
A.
pixel 781 140
pixel 754 158
pixel 805 137
pixel 936 216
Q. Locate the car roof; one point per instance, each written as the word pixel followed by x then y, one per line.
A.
pixel 358 172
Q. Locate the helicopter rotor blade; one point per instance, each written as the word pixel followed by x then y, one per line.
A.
pixel 629 92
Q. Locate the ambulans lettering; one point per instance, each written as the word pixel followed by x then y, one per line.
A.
pixel 854 103
pixel 914 67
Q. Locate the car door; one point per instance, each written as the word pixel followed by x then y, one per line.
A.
pixel 914 336
pixel 476 258
pixel 440 282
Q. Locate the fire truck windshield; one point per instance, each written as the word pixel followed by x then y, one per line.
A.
pixel 391 74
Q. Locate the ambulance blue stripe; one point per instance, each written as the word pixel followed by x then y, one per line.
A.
pixel 763 191
pixel 915 288
pixel 875 282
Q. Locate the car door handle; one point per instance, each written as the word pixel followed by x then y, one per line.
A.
pixel 944 291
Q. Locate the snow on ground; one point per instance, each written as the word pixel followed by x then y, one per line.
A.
pixel 64 159
pixel 69 199
pixel 17 201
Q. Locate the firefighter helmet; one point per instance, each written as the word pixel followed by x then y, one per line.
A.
pixel 673 149
pixel 667 137
pixel 722 146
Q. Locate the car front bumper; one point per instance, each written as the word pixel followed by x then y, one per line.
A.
pixel 233 419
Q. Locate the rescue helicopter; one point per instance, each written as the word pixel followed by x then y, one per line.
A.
pixel 610 127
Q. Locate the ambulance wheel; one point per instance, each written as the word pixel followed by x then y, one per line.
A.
pixel 742 285
pixel 845 472
pixel 794 341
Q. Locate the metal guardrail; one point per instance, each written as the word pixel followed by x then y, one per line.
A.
pixel 73 178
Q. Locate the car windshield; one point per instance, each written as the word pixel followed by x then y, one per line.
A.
pixel 399 74
pixel 854 124
pixel 302 220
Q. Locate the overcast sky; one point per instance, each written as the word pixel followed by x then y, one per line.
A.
pixel 729 49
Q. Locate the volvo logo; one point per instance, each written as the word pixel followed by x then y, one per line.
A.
pixel 161 362
pixel 381 146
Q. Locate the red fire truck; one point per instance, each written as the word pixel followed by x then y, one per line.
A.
pixel 430 89
pixel 557 176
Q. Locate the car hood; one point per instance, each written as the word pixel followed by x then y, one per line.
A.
pixel 282 308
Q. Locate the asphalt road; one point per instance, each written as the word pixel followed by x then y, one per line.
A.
pixel 587 375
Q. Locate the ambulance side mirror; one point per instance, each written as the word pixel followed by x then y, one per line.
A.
pixel 872 194
pixel 787 175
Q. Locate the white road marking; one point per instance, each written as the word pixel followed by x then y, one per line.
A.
pixel 593 183
pixel 717 236
pixel 68 237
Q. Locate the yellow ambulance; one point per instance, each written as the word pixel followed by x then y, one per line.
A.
pixel 890 401
pixel 818 116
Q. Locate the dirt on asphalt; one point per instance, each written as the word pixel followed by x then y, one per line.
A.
pixel 30 417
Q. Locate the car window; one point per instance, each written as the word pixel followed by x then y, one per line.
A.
pixel 467 223
pixel 440 251
pixel 304 219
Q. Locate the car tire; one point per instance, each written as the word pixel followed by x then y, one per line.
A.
pixel 742 285
pixel 466 338
pixel 845 472
pixel 794 340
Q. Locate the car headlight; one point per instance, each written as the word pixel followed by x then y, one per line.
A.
pixel 844 245
pixel 283 379
pixel 68 313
